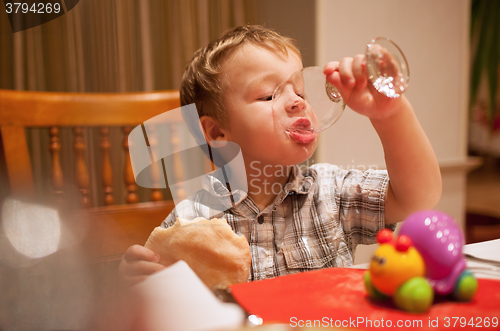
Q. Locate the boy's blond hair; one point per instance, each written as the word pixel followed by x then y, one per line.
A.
pixel 201 82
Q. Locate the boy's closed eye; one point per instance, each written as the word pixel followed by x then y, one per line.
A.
pixel 266 98
pixel 271 97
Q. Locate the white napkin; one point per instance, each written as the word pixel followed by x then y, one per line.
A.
pixel 176 299
pixel 489 250
pixel 485 250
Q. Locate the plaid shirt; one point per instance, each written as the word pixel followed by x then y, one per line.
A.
pixel 315 222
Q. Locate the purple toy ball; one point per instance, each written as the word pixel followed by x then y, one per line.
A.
pixel 439 239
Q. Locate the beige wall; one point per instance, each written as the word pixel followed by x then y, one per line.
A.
pixel 292 18
pixel 434 37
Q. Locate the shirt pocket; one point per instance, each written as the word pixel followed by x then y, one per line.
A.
pixel 303 255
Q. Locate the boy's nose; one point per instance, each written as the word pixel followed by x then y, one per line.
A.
pixel 295 103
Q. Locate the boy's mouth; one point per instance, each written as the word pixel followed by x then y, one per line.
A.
pixel 302 131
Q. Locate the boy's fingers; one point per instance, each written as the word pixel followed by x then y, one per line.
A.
pixel 331 67
pixel 138 252
pixel 331 71
pixel 333 75
pixel 143 268
pixel 359 71
pixel 346 73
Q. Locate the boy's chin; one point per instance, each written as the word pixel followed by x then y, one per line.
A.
pixel 298 155
pixel 305 150
pixel 286 155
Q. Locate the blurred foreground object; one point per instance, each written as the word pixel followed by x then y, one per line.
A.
pixel 31 232
pixel 176 299
pixel 44 281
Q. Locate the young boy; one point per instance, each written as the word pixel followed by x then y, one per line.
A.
pixel 321 213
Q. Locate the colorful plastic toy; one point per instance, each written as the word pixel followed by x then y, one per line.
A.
pixel 425 259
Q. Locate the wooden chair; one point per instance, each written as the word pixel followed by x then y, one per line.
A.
pixel 112 229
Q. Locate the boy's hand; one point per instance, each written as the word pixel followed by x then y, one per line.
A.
pixel 138 263
pixel 415 177
pixel 350 77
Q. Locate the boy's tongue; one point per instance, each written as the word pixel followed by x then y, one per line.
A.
pixel 302 136
pixel 301 131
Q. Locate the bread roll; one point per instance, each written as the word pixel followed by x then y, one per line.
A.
pixel 215 253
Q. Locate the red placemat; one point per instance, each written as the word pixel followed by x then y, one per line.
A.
pixel 336 297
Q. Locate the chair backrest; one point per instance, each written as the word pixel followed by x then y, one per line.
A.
pixel 112 228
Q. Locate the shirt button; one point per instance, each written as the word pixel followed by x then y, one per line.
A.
pixel 260 219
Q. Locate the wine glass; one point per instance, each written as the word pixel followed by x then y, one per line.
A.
pixel 306 102
pixel 387 67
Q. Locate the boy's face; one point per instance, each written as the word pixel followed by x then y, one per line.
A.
pixel 250 77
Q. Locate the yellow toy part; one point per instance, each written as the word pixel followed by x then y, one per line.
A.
pixel 390 268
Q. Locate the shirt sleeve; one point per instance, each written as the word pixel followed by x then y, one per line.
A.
pixel 361 201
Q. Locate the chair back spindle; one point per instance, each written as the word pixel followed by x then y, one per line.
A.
pixel 56 174
pixel 107 171
pixel 82 174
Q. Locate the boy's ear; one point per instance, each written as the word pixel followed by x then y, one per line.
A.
pixel 212 130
